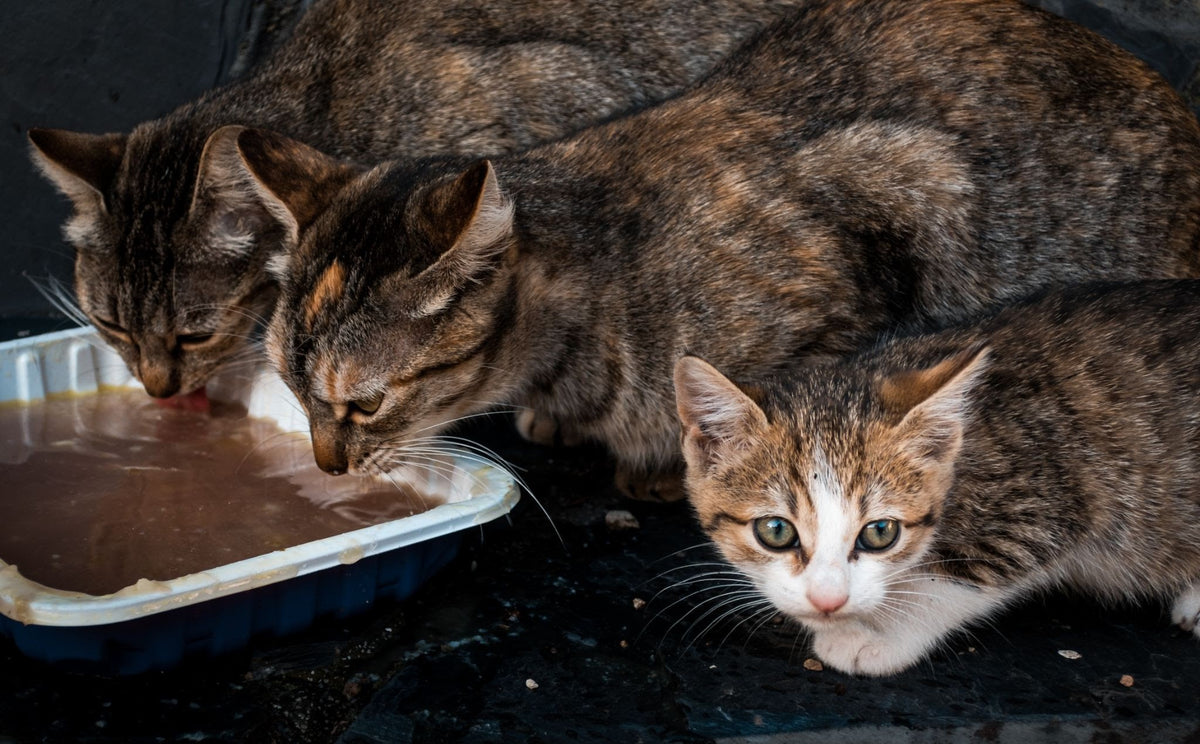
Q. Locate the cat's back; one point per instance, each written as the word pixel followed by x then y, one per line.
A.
pixel 493 77
pixel 956 154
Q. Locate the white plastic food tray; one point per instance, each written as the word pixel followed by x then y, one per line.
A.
pixel 77 361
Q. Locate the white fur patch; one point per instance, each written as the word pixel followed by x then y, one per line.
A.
pixel 1186 611
pixel 279 265
pixel 893 641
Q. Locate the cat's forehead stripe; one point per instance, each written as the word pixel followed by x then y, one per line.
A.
pixel 328 289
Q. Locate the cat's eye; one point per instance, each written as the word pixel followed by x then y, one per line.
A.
pixel 192 340
pixel 368 405
pixel 878 535
pixel 111 327
pixel 776 533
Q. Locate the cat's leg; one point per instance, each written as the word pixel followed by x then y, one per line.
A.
pixel 547 430
pixel 910 624
pixel 643 485
pixel 1186 611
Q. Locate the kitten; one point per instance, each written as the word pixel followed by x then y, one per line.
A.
pixel 169 261
pixel 888 499
pixel 857 166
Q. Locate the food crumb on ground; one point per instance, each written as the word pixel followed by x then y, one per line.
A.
pixel 638 603
pixel 1067 653
pixel 1127 680
pixel 620 519
pixel 813 665
pixel 531 684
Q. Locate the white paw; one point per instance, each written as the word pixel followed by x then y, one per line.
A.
pixel 1186 611
pixel 858 651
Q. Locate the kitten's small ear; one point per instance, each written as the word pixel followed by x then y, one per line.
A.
pixel 81 165
pixel 931 403
pixel 475 218
pixel 250 179
pixel 719 420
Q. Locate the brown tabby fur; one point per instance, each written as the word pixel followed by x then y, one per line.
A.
pixel 170 262
pixel 858 166
pixel 1055 444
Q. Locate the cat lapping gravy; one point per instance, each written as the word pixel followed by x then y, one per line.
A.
pixel 857 167
pixel 102 490
pixel 169 257
pixel 888 499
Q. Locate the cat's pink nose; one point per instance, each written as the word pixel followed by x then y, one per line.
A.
pixel 827 602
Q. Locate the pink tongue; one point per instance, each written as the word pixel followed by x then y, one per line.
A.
pixel 197 400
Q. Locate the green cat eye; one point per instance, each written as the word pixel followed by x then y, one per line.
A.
pixel 776 533
pixel 878 535
pixel 369 405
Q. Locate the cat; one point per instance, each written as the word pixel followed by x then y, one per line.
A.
pixel 887 499
pixel 169 264
pixel 857 167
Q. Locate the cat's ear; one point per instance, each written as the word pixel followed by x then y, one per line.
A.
pixel 250 180
pixel 719 420
pixel 81 165
pixel 932 404
pixel 475 218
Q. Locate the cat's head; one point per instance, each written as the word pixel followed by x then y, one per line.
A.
pixel 825 489
pixel 169 245
pixel 391 300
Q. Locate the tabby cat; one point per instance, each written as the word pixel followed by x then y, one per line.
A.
pixel 168 258
pixel 860 165
pixel 885 500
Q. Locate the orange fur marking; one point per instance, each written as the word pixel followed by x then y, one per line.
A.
pixel 329 288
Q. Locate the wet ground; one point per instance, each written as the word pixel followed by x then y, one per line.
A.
pixel 599 638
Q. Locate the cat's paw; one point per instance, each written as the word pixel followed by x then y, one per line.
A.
pixel 855 651
pixel 546 430
pixel 1186 611
pixel 656 486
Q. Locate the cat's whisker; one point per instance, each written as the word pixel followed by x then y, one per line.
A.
pixel 481 449
pixel 723 578
pixel 769 613
pixel 706 545
pixel 52 289
pixel 265 445
pixel 718 566
pixel 433 463
pixel 420 495
pixel 722 605
pixel 753 608
pixel 720 599
pixel 234 309
pixel 473 452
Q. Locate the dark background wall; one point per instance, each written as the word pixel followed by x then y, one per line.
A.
pixel 102 65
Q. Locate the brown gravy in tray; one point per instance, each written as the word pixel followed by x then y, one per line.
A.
pixel 102 490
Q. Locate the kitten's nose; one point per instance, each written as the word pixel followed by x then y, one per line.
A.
pixel 828 599
pixel 827 602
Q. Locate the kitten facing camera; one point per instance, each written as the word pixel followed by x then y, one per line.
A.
pixel 857 167
pixel 886 500
pixel 170 263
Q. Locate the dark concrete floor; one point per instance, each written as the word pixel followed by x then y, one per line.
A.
pixel 458 662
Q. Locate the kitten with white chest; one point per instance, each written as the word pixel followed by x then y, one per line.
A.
pixel 886 500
